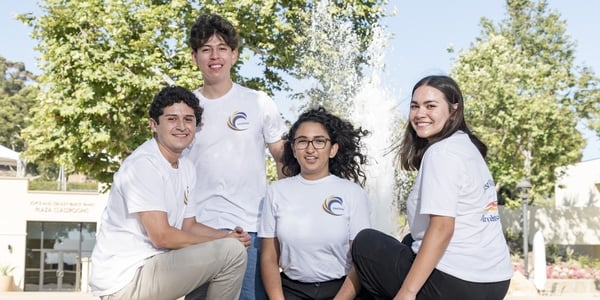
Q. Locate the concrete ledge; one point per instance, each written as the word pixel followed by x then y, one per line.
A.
pixel 571 286
pixel 46 296
pixel 523 288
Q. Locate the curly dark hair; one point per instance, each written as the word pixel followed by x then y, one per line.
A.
pixel 171 95
pixel 208 25
pixel 349 158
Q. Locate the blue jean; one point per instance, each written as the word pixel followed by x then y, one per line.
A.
pixel 252 286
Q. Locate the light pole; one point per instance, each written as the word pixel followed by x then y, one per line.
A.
pixel 524 185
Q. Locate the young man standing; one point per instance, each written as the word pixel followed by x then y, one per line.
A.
pixel 149 245
pixel 229 149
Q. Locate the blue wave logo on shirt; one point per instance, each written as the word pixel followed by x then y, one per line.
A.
pixel 238 121
pixel 334 205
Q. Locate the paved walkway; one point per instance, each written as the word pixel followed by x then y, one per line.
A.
pixel 56 296
pixel 45 296
pixel 85 296
pixel 573 296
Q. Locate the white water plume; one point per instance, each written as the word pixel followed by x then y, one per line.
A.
pixel 361 99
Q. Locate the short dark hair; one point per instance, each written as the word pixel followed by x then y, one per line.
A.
pixel 208 25
pixel 171 95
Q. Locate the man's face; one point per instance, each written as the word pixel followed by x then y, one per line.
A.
pixel 175 128
pixel 215 59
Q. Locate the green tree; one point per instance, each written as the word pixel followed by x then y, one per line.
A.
pixel 524 95
pixel 17 97
pixel 102 62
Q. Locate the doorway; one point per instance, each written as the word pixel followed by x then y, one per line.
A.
pixel 54 252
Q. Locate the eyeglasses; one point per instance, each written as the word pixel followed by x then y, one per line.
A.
pixel 318 143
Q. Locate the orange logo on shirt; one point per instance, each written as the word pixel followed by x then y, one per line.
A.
pixel 492 206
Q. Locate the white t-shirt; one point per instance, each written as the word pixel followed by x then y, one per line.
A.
pixel 454 181
pixel 229 154
pixel 145 182
pixel 314 220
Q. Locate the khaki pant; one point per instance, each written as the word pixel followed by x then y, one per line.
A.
pixel 174 274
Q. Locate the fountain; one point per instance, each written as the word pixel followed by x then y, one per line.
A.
pixel 374 109
pixel 332 43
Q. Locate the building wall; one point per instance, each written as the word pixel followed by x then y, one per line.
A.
pixel 12 225
pixel 579 186
pixel 561 225
pixel 575 227
pixel 18 205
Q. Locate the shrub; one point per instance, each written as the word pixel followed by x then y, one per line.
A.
pixel 6 269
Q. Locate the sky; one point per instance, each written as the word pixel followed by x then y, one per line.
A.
pixel 421 32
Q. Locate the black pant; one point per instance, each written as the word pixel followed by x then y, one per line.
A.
pixel 382 263
pixel 294 289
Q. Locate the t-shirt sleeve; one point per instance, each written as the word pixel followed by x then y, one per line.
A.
pixel 360 217
pixel 142 187
pixel 267 224
pixel 273 126
pixel 440 185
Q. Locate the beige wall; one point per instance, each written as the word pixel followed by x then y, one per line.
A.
pixel 575 226
pixel 563 225
pixel 18 205
pixel 579 186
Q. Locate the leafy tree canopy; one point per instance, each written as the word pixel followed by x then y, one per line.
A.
pixel 524 95
pixel 17 97
pixel 103 61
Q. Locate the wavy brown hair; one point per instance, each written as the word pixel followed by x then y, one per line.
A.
pixel 412 147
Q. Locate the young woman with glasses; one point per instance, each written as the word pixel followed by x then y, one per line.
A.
pixel 310 218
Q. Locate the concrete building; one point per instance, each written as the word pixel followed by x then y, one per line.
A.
pixel 579 185
pixel 574 220
pixel 47 236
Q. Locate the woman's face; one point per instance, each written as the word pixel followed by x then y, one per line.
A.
pixel 429 111
pixel 312 149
